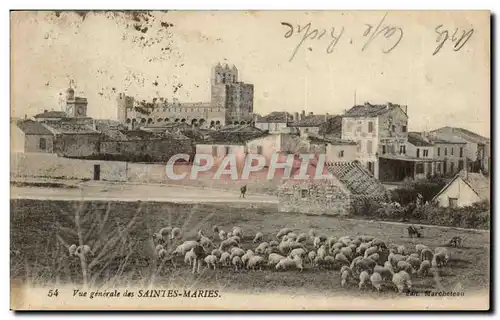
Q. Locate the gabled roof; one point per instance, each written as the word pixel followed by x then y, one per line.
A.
pixel 416 139
pixel 275 117
pixel 70 127
pixel 356 178
pixel 464 134
pixel 476 181
pixel 370 110
pixel 30 127
pixel 51 115
pixel 314 120
pixel 233 138
pixel 445 138
pixel 330 140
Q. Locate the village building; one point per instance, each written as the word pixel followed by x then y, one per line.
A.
pixel 320 124
pixel 30 136
pixel 449 152
pixel 349 183
pixel 231 103
pixel 420 148
pixel 381 132
pixel 275 122
pixel 52 115
pixel 465 189
pixel 477 148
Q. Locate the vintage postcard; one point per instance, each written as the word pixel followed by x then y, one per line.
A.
pixel 250 160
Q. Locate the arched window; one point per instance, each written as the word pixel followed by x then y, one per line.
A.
pixel 176 120
pixel 128 120
pixel 159 120
pixel 183 120
pixel 150 121
pixel 143 120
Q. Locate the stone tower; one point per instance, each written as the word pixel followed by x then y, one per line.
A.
pixel 124 104
pixel 76 107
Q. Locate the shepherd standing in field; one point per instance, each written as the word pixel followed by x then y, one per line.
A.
pixel 243 191
pixel 200 254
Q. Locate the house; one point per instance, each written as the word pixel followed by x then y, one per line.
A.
pixel 50 115
pixel 420 147
pixel 74 138
pixel 477 148
pixel 317 124
pixel 381 132
pixel 31 136
pixel 465 189
pixel 348 183
pixel 449 151
pixel 274 122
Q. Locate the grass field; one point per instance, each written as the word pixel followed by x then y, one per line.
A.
pixel 40 259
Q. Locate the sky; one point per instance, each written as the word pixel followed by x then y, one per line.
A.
pixel 341 58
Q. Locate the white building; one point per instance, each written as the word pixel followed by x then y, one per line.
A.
pixel 464 190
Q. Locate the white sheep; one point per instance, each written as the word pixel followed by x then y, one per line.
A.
pixel 273 243
pixel 301 238
pixel 346 251
pixel 185 247
pixel 420 247
pixel 424 269
pixel 385 272
pixel 311 256
pixel 402 281
pixel 287 263
pixel 376 280
pixel 291 236
pixel 426 254
pixel 316 242
pixel 443 251
pixel 273 259
pixel 217 253
pixel 439 259
pixel 237 263
pixel 175 234
pixel 225 259
pixel 237 232
pixel 312 234
pixel 228 243
pixel 261 247
pixel 282 232
pixel 342 259
pixel 405 266
pixel 415 262
pixel 246 257
pixel 157 248
pixel 222 235
pixel 189 257
pixel 388 266
pixel 255 261
pixel 370 251
pixel 321 252
pixel 375 257
pixel 72 249
pixel 211 260
pixel 331 241
pixel 258 237
pixel 401 250
pixel 235 238
pixel 162 235
pixel 237 252
pixel 364 278
pixel 299 252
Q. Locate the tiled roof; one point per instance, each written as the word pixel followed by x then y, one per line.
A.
pixel 417 140
pixel 446 138
pixel 67 127
pixel 234 138
pixel 331 140
pixel 276 116
pixel 33 128
pixel 314 120
pixel 356 178
pixel 479 183
pixel 52 114
pixel 369 110
pixel 464 134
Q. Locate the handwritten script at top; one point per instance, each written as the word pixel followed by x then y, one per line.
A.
pixel 382 34
pixel 391 34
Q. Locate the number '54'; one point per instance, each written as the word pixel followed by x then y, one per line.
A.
pixel 53 293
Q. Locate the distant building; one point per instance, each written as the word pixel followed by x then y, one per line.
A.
pixel 31 136
pixel 50 116
pixel 420 148
pixel 380 131
pixel 274 122
pixel 465 189
pixel 231 103
pixel 350 182
pixel 449 151
pixel 477 148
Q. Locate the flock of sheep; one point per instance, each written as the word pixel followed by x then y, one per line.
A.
pixel 363 260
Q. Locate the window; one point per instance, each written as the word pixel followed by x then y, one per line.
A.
pixel 460 165
pixel 383 149
pixel 439 151
pixel 43 144
pixel 452 150
pixel 426 153
pixel 358 147
pixel 303 193
pixel 227 149
pixel 452 202
pixel 452 167
pixel 306 130
pixel 369 145
pixel 214 151
pixel 403 128
pixel 371 167
pixel 370 126
pixel 341 154
pixel 393 128
pixel 445 151
pixel 259 149
pixel 438 167
pixel 418 153
pixel 402 149
pixel 461 152
pixel 419 168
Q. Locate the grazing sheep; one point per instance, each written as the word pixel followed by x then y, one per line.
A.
pixel 217 253
pixel 424 269
pixel 370 251
pixel 291 236
pixel 311 256
pixel 206 243
pixel 364 278
pixel 353 247
pixel 439 259
pixel 318 261
pixel 229 234
pixel 316 242
pixel 385 272
pixel 402 281
pixel 389 266
pixel 420 247
pixel 222 235
pixel 338 245
pixel 299 252
pixel 331 241
pixel 258 237
pixel 287 263
pixel 189 257
pixel 157 248
pixel 415 255
pixel 395 258
pixel 273 259
pixel 379 243
pixel 356 242
pixel 235 238
pixel 443 251
pixel 312 234
pixel 237 232
pixel 215 229
pixel 355 261
pixel 237 263
pixel 270 250
pixel 345 240
pixel 283 232
pixel 225 259
pixel 341 258
pixel 162 254
pixel 254 262
pixel 365 264
pixel 401 250
pixel 405 266
pixel 237 252
pixel 287 246
pixel 273 243
pixel 414 262
pixel 185 247
pixel 261 247
pixel 175 234
pixel 211 260
pixel 346 277
pixel 246 256
pixel 329 262
pixel 376 280
pixel 362 248
pixel 301 238
pixel 72 249
pixel 228 243
pixel 346 251
pixel 321 252
pixel 375 257
pixel 426 254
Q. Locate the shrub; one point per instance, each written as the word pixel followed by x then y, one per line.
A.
pixel 428 188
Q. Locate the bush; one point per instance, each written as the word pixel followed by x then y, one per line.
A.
pixel 428 188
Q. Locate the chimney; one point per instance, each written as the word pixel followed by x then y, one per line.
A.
pixel 45 111
pixel 326 116
pixel 367 104
pixel 296 116
pixel 310 113
pixel 25 116
pixel 303 115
